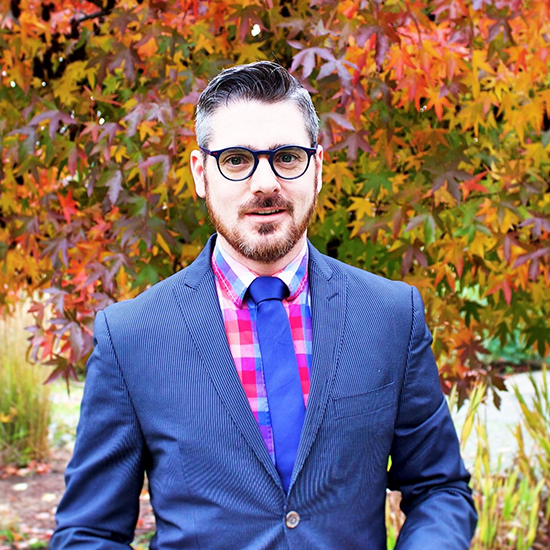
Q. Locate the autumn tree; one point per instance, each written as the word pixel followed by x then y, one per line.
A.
pixel 435 118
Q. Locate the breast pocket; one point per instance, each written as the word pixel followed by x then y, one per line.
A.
pixel 368 402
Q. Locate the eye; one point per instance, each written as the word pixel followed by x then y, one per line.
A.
pixel 287 157
pixel 236 159
pixel 290 157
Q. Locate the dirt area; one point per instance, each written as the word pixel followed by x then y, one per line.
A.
pixel 29 498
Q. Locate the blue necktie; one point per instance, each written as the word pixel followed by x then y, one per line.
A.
pixel 282 380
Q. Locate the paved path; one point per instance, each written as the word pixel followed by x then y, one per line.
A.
pixel 500 423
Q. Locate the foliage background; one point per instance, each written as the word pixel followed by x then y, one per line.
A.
pixel 435 116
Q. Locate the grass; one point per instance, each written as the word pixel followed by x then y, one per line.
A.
pixel 24 399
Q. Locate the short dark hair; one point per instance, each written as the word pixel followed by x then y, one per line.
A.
pixel 262 81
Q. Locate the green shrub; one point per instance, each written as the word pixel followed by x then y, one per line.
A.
pixel 512 501
pixel 24 399
pixel 535 465
pixel 508 503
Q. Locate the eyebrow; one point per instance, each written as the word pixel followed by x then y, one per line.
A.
pixel 272 148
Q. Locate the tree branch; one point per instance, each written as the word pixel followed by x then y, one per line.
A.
pixel 94 15
pixel 531 364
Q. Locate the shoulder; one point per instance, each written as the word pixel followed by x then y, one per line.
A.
pixel 359 281
pixel 162 299
pixel 146 308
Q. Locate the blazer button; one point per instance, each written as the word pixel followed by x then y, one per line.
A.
pixel 292 520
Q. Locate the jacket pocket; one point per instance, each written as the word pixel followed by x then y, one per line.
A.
pixel 365 403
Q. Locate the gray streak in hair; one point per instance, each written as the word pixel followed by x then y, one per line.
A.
pixel 262 81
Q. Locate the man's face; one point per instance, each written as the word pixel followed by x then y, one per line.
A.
pixel 261 220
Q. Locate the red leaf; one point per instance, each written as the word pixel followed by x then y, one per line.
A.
pixel 68 205
pixel 507 291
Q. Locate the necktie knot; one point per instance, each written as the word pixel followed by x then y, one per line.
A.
pixel 267 288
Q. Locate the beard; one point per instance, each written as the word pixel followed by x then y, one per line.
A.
pixel 264 245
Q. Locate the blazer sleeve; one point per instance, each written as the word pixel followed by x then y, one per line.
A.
pixel 100 507
pixel 426 464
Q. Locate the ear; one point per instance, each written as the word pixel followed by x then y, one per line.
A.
pixel 197 169
pixel 319 167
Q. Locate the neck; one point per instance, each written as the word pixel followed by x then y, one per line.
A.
pixel 259 268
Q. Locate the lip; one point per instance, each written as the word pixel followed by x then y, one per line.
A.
pixel 266 213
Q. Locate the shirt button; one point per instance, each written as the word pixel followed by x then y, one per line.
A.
pixel 292 520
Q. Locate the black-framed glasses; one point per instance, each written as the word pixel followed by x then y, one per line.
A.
pixel 288 162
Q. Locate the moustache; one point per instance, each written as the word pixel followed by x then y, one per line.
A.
pixel 258 203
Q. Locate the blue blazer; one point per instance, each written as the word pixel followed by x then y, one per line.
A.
pixel 162 395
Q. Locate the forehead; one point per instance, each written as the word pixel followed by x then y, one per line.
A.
pixel 258 125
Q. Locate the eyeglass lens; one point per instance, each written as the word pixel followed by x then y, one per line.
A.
pixel 287 162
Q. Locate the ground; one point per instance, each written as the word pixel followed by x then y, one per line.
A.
pixel 29 498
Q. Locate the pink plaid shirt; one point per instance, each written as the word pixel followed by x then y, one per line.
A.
pixel 232 282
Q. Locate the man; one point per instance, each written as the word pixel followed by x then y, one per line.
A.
pixel 264 422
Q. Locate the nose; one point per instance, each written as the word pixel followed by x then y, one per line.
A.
pixel 264 180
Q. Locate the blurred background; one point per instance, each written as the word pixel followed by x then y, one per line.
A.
pixel 435 117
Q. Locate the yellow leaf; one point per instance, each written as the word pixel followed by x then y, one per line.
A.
pixel 362 207
pixel 324 203
pixel 119 153
pixel 130 104
pixel 481 243
pixel 189 252
pixel 340 173
pixel 203 39
pixel 163 244
pixel 134 172
pixel 67 88
pixel 507 220
pixel 5 418
pixel 398 182
pixel 184 180
pixel 479 65
pixel 250 52
pixel 148 128
pixel 162 191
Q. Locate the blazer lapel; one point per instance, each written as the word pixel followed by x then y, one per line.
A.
pixel 328 308
pixel 199 305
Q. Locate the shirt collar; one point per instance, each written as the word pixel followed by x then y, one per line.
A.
pixel 235 277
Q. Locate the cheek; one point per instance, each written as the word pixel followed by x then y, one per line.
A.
pixel 224 202
pixel 304 198
pixel 219 193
